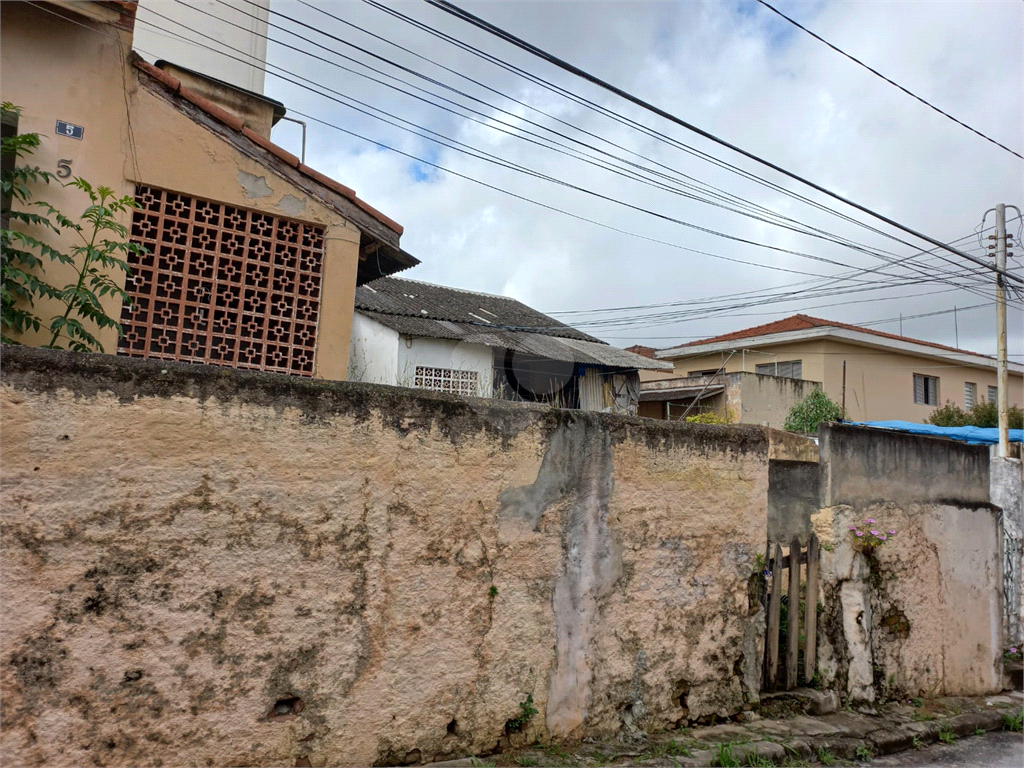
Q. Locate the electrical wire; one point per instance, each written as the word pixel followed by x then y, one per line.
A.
pixel 875 72
pixel 476 21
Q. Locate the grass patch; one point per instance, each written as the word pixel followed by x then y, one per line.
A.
pixel 756 761
pixel 528 761
pixel 864 753
pixel 825 757
pixel 946 736
pixel 723 757
pixel 1013 722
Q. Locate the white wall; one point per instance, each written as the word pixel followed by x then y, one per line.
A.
pixel 194 53
pixel 444 353
pixel 374 352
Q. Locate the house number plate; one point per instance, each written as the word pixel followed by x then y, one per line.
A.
pixel 70 130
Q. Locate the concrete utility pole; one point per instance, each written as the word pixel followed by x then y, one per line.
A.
pixel 1002 379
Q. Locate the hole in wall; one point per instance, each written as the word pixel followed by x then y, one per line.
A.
pixel 453 727
pixel 287 706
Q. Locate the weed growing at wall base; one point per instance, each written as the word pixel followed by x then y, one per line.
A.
pixel 871 537
pixel 526 713
pixel 1013 722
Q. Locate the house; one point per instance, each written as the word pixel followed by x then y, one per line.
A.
pixel 416 334
pixel 253 257
pixel 879 376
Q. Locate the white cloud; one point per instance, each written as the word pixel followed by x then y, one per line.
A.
pixel 735 70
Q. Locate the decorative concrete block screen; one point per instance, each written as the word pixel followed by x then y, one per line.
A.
pixel 222 285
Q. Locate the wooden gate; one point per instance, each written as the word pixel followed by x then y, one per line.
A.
pixel 785 588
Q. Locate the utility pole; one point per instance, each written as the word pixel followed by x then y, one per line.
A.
pixel 1002 379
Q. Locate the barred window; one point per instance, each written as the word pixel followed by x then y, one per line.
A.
pixel 446 380
pixel 993 394
pixel 222 285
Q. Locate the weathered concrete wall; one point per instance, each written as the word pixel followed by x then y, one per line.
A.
pixel 792 499
pixel 1007 492
pixel 862 466
pixel 922 613
pixel 205 566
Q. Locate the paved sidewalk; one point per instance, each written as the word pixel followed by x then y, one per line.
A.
pixel 791 737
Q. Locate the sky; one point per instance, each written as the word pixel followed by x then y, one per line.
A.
pixel 733 69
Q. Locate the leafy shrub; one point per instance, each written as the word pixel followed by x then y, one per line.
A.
pixel 812 410
pixel 710 417
pixel 983 414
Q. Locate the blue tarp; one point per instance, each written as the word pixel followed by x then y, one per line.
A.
pixel 971 435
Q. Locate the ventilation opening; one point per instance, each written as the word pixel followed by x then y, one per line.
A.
pixel 287 706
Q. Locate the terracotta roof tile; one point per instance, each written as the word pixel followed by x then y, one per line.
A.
pixel 234 123
pixel 327 181
pixel 271 147
pixel 640 349
pixel 219 113
pixel 805 322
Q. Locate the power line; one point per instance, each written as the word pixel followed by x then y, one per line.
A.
pixel 488 157
pixel 473 153
pixel 476 21
pixel 874 71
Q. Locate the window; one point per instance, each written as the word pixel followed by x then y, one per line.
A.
pixel 446 380
pixel 926 389
pixel 993 394
pixel 791 369
pixel 970 394
pixel 710 372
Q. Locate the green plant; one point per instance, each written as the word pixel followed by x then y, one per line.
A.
pixel 492 592
pixel 476 762
pixel 526 713
pixel 711 417
pixel 916 743
pixel 864 753
pixel 922 717
pixel 871 537
pixel 723 756
pixel 756 761
pixel 917 702
pixel 102 249
pixel 675 749
pixel 1013 722
pixel 815 408
pixel 981 414
pixel 825 757
pixel 526 761
pixel 980 731
pixel 946 736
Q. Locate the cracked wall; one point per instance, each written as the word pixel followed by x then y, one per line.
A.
pixel 205 566
pixel 920 615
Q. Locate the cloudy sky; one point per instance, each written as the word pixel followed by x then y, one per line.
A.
pixel 733 69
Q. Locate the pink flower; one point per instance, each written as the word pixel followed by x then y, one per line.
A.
pixel 869 521
pixel 859 534
pixel 892 533
pixel 1013 650
pixel 853 527
pixel 873 533
pixel 883 537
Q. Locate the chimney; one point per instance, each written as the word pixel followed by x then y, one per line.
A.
pixel 259 113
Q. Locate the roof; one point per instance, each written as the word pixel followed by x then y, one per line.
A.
pixel 277 106
pixel 640 349
pixel 242 133
pixel 797 323
pixel 426 310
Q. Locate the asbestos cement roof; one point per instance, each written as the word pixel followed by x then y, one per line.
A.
pixel 434 311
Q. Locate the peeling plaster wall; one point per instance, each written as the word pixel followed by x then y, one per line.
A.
pixel 207 566
pixel 922 614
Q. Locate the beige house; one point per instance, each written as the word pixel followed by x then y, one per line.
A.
pixel 886 376
pixel 253 257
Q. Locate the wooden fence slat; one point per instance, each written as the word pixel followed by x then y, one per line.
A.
pixel 811 632
pixel 793 615
pixel 774 616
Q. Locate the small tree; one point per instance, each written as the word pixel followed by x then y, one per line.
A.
pixel 104 244
pixel 815 408
pixel 948 415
